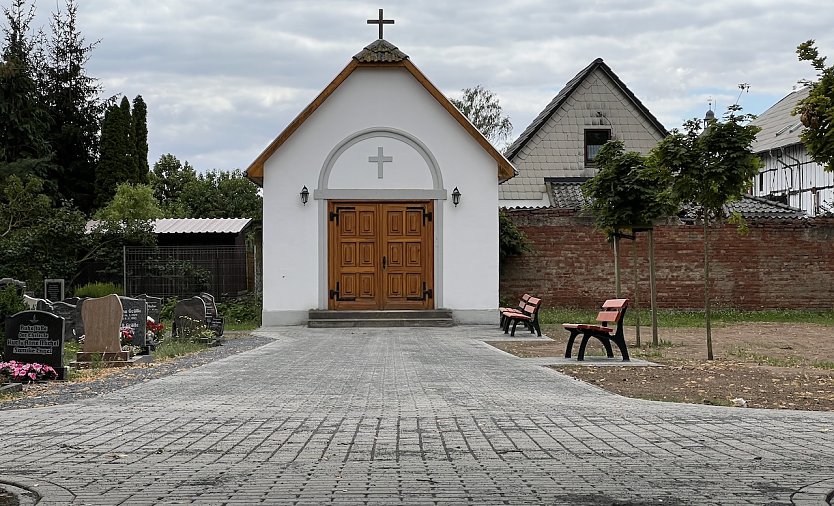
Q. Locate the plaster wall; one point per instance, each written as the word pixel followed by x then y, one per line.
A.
pixel 432 154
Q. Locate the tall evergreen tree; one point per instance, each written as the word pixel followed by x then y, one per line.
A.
pixel 139 119
pixel 23 122
pixel 72 99
pixel 115 163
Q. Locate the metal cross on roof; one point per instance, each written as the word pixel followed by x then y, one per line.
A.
pixel 380 22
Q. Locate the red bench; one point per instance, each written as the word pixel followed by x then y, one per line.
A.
pixel 528 315
pixel 613 311
pixel 519 308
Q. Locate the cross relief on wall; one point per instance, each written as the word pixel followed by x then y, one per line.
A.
pixel 379 159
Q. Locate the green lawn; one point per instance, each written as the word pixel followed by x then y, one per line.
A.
pixel 680 318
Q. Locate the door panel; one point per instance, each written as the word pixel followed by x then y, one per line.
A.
pixel 381 255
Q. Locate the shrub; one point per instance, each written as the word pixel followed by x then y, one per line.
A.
pixel 98 290
pixel 10 303
pixel 246 309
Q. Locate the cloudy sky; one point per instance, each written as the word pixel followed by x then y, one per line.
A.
pixel 222 78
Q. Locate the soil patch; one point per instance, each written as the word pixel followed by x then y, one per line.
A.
pixel 761 365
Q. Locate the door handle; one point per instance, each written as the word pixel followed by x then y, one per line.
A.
pixel 384 261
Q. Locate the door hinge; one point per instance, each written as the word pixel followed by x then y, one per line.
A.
pixel 427 215
pixel 427 294
pixel 335 295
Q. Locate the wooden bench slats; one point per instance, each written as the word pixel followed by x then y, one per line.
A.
pixel 528 313
pixel 613 311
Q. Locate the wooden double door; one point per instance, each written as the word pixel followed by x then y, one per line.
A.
pixel 381 255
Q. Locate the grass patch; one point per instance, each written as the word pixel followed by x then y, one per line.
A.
pixel 250 325
pixel 680 318
pixel 760 359
pixel 171 348
pixel 70 350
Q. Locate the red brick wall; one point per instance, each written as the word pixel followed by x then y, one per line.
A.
pixel 778 264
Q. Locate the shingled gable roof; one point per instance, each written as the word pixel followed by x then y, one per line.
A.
pixel 379 53
pixel 779 127
pixel 566 92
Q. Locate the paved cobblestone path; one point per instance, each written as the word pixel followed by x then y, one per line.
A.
pixel 415 416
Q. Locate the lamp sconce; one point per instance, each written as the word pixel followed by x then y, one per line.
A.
pixel 305 194
pixel 456 196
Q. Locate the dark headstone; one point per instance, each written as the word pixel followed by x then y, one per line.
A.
pixel 44 305
pixel 53 289
pixel 214 320
pixel 67 312
pixel 72 300
pixel 211 308
pixel 135 317
pixel 154 306
pixel 79 321
pixel 19 286
pixel 189 313
pixel 36 337
pixel 102 321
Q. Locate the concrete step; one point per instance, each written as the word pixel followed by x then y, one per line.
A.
pixel 345 319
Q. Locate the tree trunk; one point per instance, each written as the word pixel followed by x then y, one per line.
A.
pixel 636 286
pixel 706 286
pixel 652 282
pixel 617 263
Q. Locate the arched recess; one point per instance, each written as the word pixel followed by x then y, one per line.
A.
pixel 323 194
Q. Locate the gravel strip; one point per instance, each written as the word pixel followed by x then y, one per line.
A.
pixel 59 392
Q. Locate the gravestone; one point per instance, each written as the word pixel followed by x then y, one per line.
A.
pixel 102 320
pixel 79 321
pixel 135 317
pixel 187 312
pixel 19 286
pixel 213 319
pixel 72 300
pixel 36 337
pixel 53 289
pixel 67 312
pixel 154 306
pixel 44 305
pixel 211 307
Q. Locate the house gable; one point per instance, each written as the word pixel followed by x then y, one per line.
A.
pixel 553 144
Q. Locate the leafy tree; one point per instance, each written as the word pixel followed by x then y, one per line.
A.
pixel 139 119
pixel 131 202
pixel 711 167
pixel 221 194
pixel 626 194
pixel 817 109
pixel 23 204
pixel 168 180
pixel 72 100
pixel 483 109
pixel 116 157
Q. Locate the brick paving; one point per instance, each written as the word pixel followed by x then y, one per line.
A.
pixel 409 416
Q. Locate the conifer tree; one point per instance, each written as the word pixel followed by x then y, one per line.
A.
pixel 115 163
pixel 139 118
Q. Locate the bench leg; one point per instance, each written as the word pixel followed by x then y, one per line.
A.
pixel 571 339
pixel 620 342
pixel 605 340
pixel 515 324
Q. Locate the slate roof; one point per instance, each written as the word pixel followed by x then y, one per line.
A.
pixel 567 194
pixel 569 88
pixel 779 127
pixel 380 51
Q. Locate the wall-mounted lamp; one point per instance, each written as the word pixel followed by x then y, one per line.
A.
pixel 456 196
pixel 305 194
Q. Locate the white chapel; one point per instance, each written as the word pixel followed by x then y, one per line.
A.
pixel 380 195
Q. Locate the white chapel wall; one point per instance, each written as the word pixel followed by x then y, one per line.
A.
pixel 466 251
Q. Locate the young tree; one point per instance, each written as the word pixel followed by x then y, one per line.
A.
pixel 711 167
pixel 130 203
pixel 221 194
pixel 629 194
pixel 817 109
pixel 483 109
pixel 168 180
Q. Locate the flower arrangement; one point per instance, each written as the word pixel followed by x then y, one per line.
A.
pixel 154 330
pixel 26 373
pixel 126 336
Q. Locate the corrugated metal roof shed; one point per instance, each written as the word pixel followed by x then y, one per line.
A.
pixel 779 127
pixel 200 225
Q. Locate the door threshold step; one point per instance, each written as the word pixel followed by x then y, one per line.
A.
pixel 380 322
pixel 407 314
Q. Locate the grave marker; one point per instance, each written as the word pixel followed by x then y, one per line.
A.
pixel 102 318
pixel 135 317
pixel 187 310
pixel 67 312
pixel 154 306
pixel 36 337
pixel 43 305
pixel 53 289
pixel 79 321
